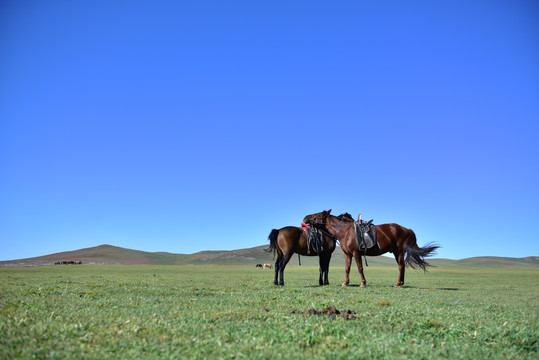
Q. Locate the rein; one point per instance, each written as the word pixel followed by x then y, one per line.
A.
pixel 334 236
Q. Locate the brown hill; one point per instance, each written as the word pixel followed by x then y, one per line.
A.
pixel 109 254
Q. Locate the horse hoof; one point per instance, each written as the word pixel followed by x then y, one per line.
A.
pixel 344 284
pixel 362 285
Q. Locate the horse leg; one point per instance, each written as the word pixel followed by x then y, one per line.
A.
pixel 348 262
pixel 324 269
pixel 284 261
pixel 327 259
pixel 321 264
pixel 399 257
pixel 357 257
pixel 277 267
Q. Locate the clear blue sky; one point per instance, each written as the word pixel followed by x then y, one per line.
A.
pixel 183 126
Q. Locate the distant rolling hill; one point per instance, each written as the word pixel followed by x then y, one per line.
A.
pixel 108 254
pixel 489 262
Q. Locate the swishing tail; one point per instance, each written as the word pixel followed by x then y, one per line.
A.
pixel 273 241
pixel 415 255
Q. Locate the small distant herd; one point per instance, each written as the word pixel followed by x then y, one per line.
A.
pixel 264 266
pixel 68 262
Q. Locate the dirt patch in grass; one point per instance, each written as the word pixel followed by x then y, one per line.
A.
pixel 331 312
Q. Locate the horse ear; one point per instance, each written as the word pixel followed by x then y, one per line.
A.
pixel 329 212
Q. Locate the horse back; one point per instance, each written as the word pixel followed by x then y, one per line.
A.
pixel 392 227
pixel 294 239
pixel 290 232
pixel 392 234
pixel 289 238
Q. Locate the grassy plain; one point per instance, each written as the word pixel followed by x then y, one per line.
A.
pixel 234 312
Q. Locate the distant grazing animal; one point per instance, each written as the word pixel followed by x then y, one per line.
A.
pixel 259 266
pixel 392 238
pixel 268 266
pixel 289 240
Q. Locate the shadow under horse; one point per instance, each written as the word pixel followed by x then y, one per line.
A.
pixel 392 238
pixel 291 239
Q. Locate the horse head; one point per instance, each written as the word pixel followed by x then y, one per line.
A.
pixel 318 218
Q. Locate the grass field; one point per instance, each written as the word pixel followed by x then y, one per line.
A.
pixel 233 312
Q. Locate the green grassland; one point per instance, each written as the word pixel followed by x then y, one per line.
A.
pixel 234 312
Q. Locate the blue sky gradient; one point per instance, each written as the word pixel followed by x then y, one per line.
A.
pixel 184 126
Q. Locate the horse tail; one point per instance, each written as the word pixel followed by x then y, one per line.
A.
pixel 273 241
pixel 415 255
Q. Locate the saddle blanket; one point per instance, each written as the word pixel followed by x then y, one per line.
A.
pixel 365 234
pixel 315 240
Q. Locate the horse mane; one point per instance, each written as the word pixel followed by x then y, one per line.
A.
pixel 346 217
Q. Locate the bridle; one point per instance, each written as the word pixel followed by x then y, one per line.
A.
pixel 314 222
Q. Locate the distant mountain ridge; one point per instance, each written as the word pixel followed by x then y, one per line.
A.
pixel 109 254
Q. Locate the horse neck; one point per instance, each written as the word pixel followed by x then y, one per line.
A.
pixel 335 222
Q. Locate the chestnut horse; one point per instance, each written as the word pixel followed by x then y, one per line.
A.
pixel 289 240
pixel 392 238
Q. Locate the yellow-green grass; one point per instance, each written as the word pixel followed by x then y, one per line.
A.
pixel 226 312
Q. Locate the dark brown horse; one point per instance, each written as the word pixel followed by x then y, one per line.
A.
pixel 392 238
pixel 289 240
